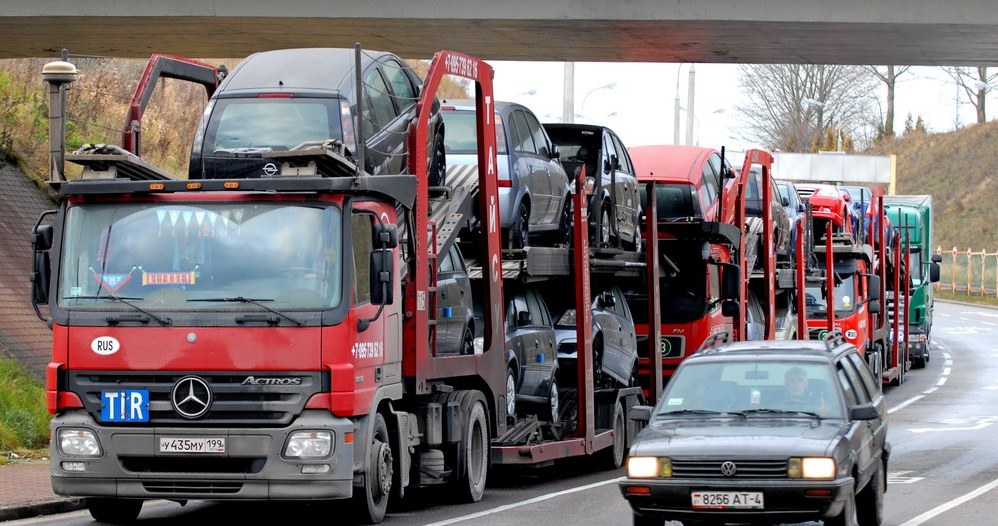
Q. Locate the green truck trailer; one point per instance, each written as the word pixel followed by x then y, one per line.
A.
pixel 911 216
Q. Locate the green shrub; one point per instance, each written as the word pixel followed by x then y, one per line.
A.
pixel 24 420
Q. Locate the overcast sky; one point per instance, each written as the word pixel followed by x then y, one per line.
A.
pixel 640 107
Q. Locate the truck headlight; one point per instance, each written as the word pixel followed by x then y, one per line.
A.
pixel 918 337
pixel 811 468
pixel 648 467
pixel 79 443
pixel 309 444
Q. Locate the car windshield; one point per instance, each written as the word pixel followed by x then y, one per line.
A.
pixel 248 125
pixel 845 297
pixel 181 255
pixel 462 132
pixel 754 388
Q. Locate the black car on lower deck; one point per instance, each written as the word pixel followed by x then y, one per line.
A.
pixel 763 432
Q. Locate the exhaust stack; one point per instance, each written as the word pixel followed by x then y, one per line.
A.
pixel 57 75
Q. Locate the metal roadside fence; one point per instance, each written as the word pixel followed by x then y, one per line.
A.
pixel 968 271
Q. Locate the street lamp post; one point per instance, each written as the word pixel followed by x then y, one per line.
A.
pixel 610 86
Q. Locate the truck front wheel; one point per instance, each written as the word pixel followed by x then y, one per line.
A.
pixel 372 498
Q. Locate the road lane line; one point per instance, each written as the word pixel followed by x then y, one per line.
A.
pixel 948 359
pixel 989 323
pixel 534 500
pixel 964 319
pixel 943 508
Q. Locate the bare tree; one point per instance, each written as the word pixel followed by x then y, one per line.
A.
pixel 888 75
pixel 976 83
pixel 791 105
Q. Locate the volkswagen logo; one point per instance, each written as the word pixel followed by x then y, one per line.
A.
pixel 191 397
pixel 728 469
pixel 270 169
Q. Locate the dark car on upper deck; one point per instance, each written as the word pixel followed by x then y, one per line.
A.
pixel 278 100
pixel 763 432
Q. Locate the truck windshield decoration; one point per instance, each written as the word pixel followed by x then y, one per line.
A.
pixel 200 255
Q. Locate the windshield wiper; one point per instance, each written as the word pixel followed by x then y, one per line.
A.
pixel 781 412
pixel 698 412
pixel 254 301
pixel 113 319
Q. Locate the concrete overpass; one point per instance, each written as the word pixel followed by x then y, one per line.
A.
pixel 915 32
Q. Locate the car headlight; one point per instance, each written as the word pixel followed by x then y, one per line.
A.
pixel 648 467
pixel 309 444
pixel 79 443
pixel 811 468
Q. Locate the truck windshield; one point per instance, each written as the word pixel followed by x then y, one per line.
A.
pixel 845 298
pixel 178 256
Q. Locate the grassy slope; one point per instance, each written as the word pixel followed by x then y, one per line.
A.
pixel 23 417
pixel 957 170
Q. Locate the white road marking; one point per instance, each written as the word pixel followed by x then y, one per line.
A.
pixel 943 508
pixel 977 424
pixel 901 477
pixel 964 319
pixel 541 498
pixel 989 323
pixel 948 360
pixel 943 314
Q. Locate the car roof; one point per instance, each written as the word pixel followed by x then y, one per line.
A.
pixel 773 349
pixel 328 69
pixel 669 163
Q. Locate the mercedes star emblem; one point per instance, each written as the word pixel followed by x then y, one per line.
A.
pixel 728 469
pixel 191 397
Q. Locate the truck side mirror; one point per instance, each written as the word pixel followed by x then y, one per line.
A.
pixel 872 287
pixel 640 413
pixel 40 276
pixel 386 236
pixel 731 281
pixel 382 270
pixel 41 272
pixel 523 319
pixel 934 272
pixel 937 258
pixel 874 307
pixel 729 308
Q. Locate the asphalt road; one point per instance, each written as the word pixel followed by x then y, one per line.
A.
pixel 943 468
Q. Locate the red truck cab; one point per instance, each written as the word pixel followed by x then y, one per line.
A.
pixel 696 247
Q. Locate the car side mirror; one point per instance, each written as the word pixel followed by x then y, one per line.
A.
pixel 785 201
pixel 801 208
pixel 555 152
pixel 523 319
pixel 640 413
pixel 937 258
pixel 607 300
pixel 864 412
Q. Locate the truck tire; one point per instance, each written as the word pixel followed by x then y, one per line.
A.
pixel 870 502
pixel 918 362
pixel 473 450
pixel 613 457
pixel 371 501
pixel 114 511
